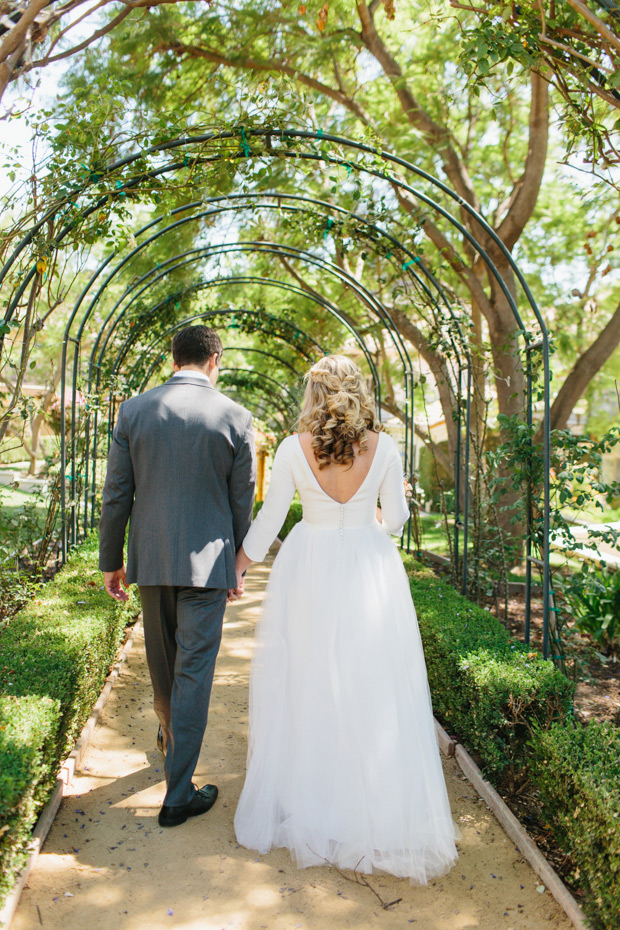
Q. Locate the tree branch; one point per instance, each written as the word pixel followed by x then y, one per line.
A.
pixel 447 251
pixel 272 64
pixel 602 29
pixel 435 134
pixel 310 290
pixel 523 199
pixel 15 41
pixel 587 365
pixel 97 34
pixel 14 37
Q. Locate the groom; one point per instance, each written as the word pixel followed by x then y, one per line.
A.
pixel 181 470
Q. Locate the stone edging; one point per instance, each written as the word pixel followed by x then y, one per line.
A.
pixel 64 777
pixel 514 829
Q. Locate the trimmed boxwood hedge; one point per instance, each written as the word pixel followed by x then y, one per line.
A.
pixel 577 772
pixel 54 657
pixel 28 727
pixel 514 710
pixel 490 689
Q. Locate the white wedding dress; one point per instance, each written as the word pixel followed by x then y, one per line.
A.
pixel 343 762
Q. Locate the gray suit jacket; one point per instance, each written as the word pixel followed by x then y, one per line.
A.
pixel 181 470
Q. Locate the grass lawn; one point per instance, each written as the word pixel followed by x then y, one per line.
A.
pixel 433 532
pixel 433 538
pixel 11 500
pixel 592 514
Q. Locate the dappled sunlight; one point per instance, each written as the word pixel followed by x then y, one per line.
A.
pixel 107 863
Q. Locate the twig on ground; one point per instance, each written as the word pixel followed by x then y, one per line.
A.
pixel 358 880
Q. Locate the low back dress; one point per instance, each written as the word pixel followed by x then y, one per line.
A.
pixel 343 762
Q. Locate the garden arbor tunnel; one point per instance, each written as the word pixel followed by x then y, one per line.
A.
pixel 120 361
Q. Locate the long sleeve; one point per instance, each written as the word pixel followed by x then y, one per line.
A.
pixel 273 512
pixel 241 483
pixel 394 509
pixel 118 492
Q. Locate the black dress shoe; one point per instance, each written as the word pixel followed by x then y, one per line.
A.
pixel 203 801
pixel 160 739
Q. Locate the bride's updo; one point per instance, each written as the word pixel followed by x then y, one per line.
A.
pixel 337 410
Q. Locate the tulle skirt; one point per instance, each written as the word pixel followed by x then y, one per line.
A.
pixel 343 762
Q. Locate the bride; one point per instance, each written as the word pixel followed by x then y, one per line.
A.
pixel 343 764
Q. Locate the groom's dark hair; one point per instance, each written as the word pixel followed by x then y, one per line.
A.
pixel 194 345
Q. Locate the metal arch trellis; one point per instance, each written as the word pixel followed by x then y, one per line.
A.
pixel 412 264
pixel 365 295
pixel 362 292
pixel 135 333
pixel 287 139
pixel 266 282
pixel 204 314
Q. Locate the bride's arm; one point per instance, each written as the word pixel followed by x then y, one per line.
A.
pixel 272 514
pixel 394 508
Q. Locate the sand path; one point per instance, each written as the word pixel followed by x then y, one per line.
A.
pixel 107 864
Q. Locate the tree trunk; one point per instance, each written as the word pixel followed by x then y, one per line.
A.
pixel 587 365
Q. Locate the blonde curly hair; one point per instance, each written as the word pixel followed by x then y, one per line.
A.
pixel 337 410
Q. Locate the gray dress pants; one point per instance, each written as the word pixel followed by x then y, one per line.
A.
pixel 182 632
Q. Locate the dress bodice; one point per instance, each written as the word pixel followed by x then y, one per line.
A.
pixel 292 472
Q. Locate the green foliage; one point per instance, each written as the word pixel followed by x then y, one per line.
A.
pixel 54 657
pixel 433 478
pixel 577 772
pixel 592 598
pixel 488 688
pixel 20 528
pixel 27 738
pixel 571 46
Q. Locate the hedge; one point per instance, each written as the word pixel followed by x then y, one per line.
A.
pixel 28 727
pixel 488 688
pixel 514 709
pixel 577 772
pixel 54 657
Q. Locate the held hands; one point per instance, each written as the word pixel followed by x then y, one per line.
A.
pixel 112 582
pixel 241 566
pixel 235 593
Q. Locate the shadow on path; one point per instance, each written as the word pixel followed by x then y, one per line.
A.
pixel 107 864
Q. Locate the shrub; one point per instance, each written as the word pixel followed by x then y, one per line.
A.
pixel 490 689
pixel 28 728
pixel 592 597
pixel 55 653
pixel 577 772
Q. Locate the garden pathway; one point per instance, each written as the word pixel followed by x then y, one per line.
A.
pixel 107 864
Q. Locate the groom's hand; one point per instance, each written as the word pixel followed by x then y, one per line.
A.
pixel 112 582
pixel 235 593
